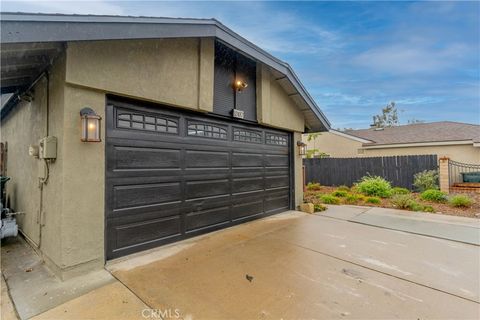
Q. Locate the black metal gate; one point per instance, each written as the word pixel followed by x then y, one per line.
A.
pixel 459 172
pixel 174 174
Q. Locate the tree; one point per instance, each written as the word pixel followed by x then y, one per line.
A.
pixel 312 153
pixel 388 117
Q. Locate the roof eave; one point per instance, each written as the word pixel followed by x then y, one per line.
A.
pixel 17 28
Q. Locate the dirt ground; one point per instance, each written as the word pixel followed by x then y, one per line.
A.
pixel 440 208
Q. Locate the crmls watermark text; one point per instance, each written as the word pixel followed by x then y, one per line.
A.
pixel 161 313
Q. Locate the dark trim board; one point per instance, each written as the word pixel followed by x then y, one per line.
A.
pixel 173 174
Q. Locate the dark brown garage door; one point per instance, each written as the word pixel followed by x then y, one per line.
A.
pixel 171 175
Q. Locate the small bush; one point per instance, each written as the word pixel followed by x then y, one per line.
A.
pixel 373 200
pixel 344 188
pixel 319 207
pixel 460 200
pixel 433 195
pixel 398 190
pixel 403 201
pixel 329 199
pixel 374 186
pixel 416 206
pixel 428 209
pixel 353 198
pixel 313 186
pixel 339 193
pixel 427 179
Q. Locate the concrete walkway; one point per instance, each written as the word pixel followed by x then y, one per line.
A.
pixel 292 265
pixel 309 266
pixel 460 229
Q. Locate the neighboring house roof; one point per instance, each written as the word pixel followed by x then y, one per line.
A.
pixel 433 132
pixel 34 39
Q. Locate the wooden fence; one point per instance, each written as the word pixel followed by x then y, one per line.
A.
pixel 399 170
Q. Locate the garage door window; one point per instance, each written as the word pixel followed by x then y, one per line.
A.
pixel 247 135
pixel 276 139
pixel 206 130
pixel 144 122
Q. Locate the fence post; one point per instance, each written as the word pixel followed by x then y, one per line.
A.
pixel 443 175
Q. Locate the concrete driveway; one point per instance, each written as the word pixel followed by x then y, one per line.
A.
pixel 296 265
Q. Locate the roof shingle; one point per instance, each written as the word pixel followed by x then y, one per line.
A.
pixel 419 132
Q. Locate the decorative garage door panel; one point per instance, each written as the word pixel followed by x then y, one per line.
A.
pixel 171 175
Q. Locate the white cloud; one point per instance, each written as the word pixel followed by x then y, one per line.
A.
pixel 407 58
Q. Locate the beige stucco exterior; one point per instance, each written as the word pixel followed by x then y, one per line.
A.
pixel 41 208
pixel 340 146
pixel 333 145
pixel 175 72
pixel 274 107
pixel 465 153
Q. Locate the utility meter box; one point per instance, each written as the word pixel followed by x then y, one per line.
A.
pixel 47 148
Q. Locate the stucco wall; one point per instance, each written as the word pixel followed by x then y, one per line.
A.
pixel 341 147
pixel 461 153
pixel 274 107
pixel 26 125
pixel 298 171
pixel 84 177
pixel 334 145
pixel 173 72
pixel 177 72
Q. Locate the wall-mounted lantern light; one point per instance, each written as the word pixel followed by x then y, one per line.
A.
pixel 239 85
pixel 90 125
pixel 302 148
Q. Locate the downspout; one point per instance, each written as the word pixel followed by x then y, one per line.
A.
pixel 43 181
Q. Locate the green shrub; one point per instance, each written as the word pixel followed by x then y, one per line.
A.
pixel 374 186
pixel 344 188
pixel 403 201
pixel 329 199
pixel 427 179
pixel 428 209
pixel 416 206
pixel 433 195
pixel 339 193
pixel 353 198
pixel 319 207
pixel 460 200
pixel 313 186
pixel 373 200
pixel 398 190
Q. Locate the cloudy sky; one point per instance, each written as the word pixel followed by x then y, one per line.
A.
pixel 353 57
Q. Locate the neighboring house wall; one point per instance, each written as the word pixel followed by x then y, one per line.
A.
pixel 173 72
pixel 334 145
pixel 460 153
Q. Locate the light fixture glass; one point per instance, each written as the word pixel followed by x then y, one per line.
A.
pixel 239 85
pixel 90 125
pixel 302 148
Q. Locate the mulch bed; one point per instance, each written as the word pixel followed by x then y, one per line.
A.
pixel 440 208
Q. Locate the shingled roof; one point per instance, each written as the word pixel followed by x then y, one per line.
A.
pixel 442 131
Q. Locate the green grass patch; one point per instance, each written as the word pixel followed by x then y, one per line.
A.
pixel 373 200
pixel 329 199
pixel 460 200
pixel 339 193
pixel 398 190
pixel 433 195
